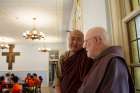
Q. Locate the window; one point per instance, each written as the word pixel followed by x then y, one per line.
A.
pixel 134 35
pixel 133 27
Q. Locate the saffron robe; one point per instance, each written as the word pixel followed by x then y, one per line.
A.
pixel 74 69
pixel 109 74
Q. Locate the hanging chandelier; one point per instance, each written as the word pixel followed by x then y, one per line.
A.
pixel 43 49
pixel 34 34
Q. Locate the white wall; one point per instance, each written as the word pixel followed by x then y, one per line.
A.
pixel 94 13
pixel 30 60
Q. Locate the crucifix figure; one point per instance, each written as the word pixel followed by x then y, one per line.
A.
pixel 10 56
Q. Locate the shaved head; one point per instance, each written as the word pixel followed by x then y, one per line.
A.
pixel 76 33
pixel 96 40
pixel 75 40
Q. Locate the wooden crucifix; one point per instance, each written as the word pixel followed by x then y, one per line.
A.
pixel 10 56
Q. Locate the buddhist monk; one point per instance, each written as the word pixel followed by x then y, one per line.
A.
pixel 73 66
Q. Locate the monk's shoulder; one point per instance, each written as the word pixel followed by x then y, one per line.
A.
pixel 64 56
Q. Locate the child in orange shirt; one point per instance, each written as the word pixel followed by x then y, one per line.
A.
pixel 17 88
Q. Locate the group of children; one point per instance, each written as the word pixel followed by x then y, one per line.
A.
pixel 9 84
pixel 33 83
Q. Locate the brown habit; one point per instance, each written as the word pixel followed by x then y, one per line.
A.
pixel 109 74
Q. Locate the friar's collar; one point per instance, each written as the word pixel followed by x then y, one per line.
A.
pixel 110 50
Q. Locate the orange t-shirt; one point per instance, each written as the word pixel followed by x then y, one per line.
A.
pixel 17 88
pixel 36 82
pixel 30 82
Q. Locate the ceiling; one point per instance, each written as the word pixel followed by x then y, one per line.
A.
pixel 52 18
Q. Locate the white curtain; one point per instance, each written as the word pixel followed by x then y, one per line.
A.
pixel 117 11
